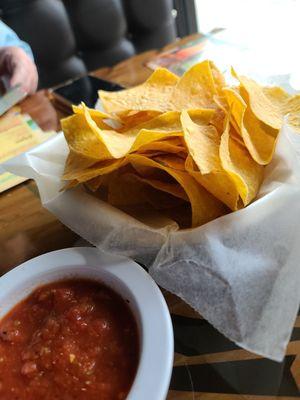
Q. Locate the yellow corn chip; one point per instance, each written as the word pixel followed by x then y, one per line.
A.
pixel 94 113
pixel 94 183
pixel 153 95
pixel 260 139
pixel 286 105
pixel 75 163
pixel 83 140
pixel 276 95
pixel 219 80
pixel 130 193
pixel 125 190
pixel 117 144
pixel 260 104
pixel 292 105
pixel 70 185
pixel 164 126
pixel 195 89
pixel 99 117
pixel 292 108
pixel 238 163
pixel 166 146
pixel 160 200
pixel 131 119
pixel 170 161
pixel 205 207
pixel 101 168
pixel 203 143
pixel 169 187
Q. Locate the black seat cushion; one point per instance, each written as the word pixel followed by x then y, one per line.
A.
pixel 70 37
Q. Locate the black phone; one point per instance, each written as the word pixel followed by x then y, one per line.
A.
pixel 83 89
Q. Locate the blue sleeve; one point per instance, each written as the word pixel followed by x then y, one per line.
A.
pixel 9 38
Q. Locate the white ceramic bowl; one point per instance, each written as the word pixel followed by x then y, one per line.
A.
pixel 129 280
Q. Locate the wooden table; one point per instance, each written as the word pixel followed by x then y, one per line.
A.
pixel 207 365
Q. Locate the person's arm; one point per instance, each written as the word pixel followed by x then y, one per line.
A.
pixel 16 60
pixel 9 38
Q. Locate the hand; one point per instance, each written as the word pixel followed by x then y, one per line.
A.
pixel 19 68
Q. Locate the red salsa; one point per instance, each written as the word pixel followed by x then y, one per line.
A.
pixel 69 340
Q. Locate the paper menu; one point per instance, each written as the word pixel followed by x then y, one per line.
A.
pixel 18 133
pixel 181 58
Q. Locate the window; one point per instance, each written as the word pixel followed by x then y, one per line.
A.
pixel 264 32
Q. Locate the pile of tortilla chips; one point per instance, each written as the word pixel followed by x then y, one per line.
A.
pixel 192 148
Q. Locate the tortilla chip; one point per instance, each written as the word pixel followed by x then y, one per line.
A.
pixel 292 105
pixel 101 168
pixel 160 200
pixel 203 142
pixel 94 183
pixel 196 88
pixel 141 200
pixel 163 146
pixel 165 126
pixel 94 113
pixel 238 163
pixel 70 185
pixel 260 104
pixel 170 161
pixel 117 144
pixel 260 139
pixel 286 105
pixel 170 187
pixel 83 140
pixel 276 95
pixel 292 109
pixel 125 190
pixel 103 120
pixel 218 78
pixel 205 207
pixel 153 95
pixel 112 144
pixel 75 163
pixel 131 119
